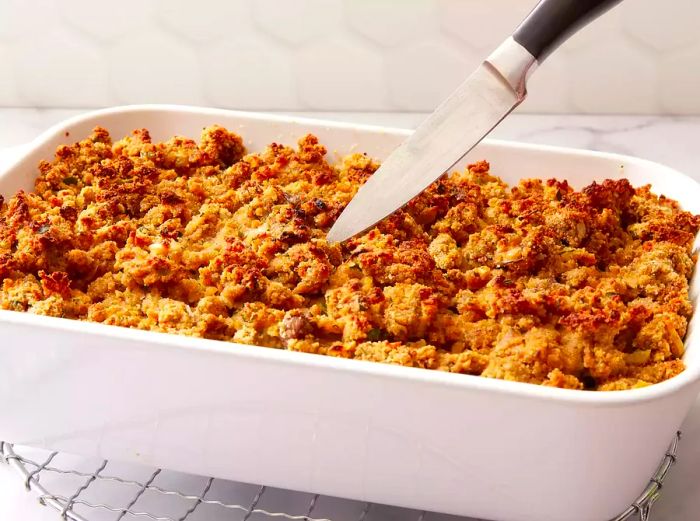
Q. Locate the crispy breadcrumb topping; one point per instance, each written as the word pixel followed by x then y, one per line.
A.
pixel 536 283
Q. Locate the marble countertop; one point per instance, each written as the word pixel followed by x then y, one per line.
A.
pixel 674 141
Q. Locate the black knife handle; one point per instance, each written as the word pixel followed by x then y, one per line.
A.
pixel 553 21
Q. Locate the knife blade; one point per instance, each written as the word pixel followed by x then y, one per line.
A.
pixel 469 114
pixel 448 134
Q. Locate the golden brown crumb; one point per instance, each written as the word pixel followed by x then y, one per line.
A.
pixel 537 283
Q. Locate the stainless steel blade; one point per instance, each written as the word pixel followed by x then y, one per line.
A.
pixel 447 135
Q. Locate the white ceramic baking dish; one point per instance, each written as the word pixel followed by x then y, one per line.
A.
pixel 416 438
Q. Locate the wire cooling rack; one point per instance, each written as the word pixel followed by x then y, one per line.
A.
pixel 76 488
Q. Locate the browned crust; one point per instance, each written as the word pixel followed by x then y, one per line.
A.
pixel 537 283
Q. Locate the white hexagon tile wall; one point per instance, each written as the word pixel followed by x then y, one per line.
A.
pixel 355 55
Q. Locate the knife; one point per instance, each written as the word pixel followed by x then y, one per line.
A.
pixel 477 106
